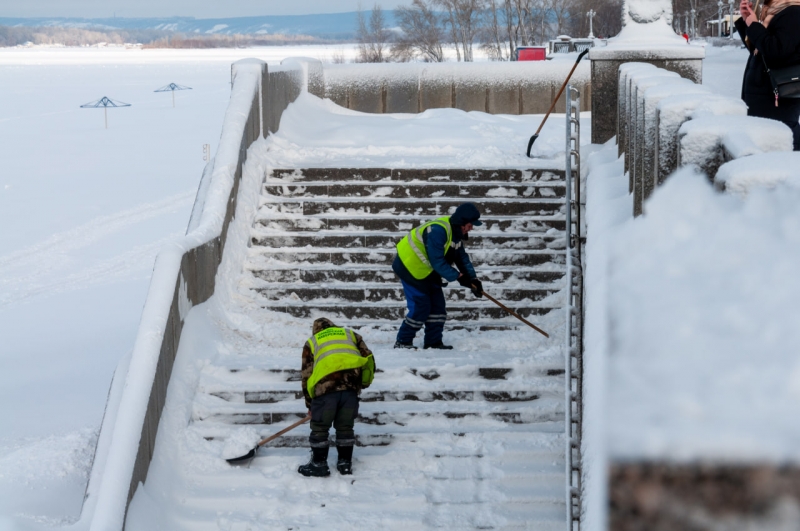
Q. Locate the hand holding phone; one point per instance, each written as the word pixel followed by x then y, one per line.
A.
pixel 745 9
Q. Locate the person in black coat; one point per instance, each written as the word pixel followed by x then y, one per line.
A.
pixel 776 39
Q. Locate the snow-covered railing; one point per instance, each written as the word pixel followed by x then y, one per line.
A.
pixel 526 87
pixel 573 355
pixel 766 170
pixel 665 121
pixel 183 276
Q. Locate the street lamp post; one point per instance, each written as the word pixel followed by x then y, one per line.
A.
pixel 686 22
pixel 694 25
pixel 719 18
pixel 730 19
pixel 591 15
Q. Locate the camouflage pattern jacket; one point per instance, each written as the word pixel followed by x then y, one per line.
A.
pixel 349 380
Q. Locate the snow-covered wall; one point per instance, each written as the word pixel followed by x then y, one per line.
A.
pixel 666 121
pixel 184 276
pixel 525 87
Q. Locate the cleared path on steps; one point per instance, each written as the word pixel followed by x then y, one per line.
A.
pixel 465 439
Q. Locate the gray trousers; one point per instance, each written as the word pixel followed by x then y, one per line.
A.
pixel 338 409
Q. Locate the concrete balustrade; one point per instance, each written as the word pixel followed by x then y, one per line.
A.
pixel 495 88
pixel 666 121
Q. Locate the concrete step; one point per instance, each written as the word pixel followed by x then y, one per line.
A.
pixel 402 224
pixel 463 191
pixel 274 396
pixel 388 240
pixel 292 274
pixel 424 209
pixel 263 257
pixel 427 175
pixel 293 294
pixel 397 311
pixel 383 418
pixel 249 373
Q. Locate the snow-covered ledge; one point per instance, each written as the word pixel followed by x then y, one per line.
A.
pixel 183 276
pixel 646 36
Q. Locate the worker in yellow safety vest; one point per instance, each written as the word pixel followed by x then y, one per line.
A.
pixel 424 263
pixel 336 365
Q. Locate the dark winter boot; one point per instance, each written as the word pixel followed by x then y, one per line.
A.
pixel 345 462
pixel 440 346
pixel 398 344
pixel 317 466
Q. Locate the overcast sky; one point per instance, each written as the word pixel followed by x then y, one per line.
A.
pixel 186 8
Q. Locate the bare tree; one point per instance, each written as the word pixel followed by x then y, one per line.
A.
pixel 464 20
pixel 373 37
pixel 562 10
pixel 422 33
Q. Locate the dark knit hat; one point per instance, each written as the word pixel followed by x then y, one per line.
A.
pixel 466 213
pixel 321 324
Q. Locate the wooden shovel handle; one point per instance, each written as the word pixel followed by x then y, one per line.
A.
pixel 284 430
pixel 515 314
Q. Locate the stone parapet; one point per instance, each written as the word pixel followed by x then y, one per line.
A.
pixel 605 63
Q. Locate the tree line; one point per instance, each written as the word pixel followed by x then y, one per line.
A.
pixel 55 35
pixel 497 27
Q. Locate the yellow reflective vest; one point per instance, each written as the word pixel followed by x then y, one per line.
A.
pixel 334 350
pixel 412 252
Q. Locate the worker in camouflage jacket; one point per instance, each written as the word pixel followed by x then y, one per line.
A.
pixel 337 364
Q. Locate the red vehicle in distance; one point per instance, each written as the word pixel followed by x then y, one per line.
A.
pixel 531 53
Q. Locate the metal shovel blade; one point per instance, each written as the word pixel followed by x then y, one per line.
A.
pixel 242 458
pixel 530 143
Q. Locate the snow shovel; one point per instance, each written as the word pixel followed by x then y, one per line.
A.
pixel 515 314
pixel 252 453
pixel 546 116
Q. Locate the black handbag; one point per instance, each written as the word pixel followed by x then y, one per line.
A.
pixel 785 81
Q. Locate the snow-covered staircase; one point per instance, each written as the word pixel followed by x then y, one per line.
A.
pixel 465 439
pixel 324 239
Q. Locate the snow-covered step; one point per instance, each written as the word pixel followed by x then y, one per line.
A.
pixel 400 190
pixel 472 311
pixel 385 240
pixel 262 257
pixel 424 208
pixel 446 175
pixel 382 274
pixel 422 481
pixel 400 223
pixel 291 293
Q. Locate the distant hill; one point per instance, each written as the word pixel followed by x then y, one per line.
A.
pixel 337 26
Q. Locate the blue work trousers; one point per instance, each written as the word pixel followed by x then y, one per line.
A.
pixel 426 307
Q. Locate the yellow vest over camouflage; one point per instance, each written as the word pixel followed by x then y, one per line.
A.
pixel 335 350
pixel 412 252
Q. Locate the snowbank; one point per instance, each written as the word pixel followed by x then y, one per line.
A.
pixel 702 322
pixel 169 301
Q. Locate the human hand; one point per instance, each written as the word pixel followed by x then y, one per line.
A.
pixel 464 280
pixel 745 9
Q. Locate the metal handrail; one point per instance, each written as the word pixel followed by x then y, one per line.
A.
pixel 573 373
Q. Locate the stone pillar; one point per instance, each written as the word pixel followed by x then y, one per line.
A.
pixel 647 37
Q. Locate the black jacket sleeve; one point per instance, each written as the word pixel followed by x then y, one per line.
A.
pixel 780 42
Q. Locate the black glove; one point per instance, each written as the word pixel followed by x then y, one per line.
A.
pixel 464 280
pixel 477 287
